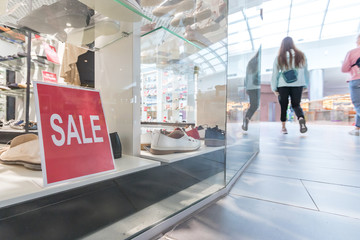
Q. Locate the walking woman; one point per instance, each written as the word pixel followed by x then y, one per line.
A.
pixel 290 76
pixel 351 65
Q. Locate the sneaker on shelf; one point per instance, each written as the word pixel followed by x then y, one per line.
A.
pixel 171 7
pixel 5 88
pixel 196 37
pixel 150 3
pixel 284 131
pixel 201 12
pixel 147 28
pixel 19 125
pixel 206 26
pixel 214 137
pixel 23 150
pixel 355 132
pixel 175 142
pixel 6 125
pixel 303 128
pixel 145 140
pixel 192 132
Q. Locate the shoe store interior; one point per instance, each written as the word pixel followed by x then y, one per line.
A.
pixel 160 105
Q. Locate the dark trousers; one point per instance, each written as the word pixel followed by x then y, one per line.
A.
pixel 295 95
pixel 254 97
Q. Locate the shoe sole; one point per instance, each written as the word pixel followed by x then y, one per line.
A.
pixel 31 166
pixel 191 19
pixel 214 143
pixel 303 128
pixel 144 146
pixel 164 152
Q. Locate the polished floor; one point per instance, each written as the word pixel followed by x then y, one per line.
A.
pixel 300 186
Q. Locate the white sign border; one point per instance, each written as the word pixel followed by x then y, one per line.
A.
pixel 41 142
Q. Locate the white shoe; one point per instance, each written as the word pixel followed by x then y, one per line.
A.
pixel 175 142
pixel 196 37
pixel 145 140
pixel 201 13
pixel 23 150
pixel 150 3
pixel 171 7
pixel 284 131
pixel 206 26
pixel 355 132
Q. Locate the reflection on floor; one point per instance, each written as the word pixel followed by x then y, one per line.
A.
pixel 124 205
pixel 300 186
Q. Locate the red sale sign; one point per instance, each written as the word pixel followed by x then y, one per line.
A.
pixel 49 77
pixel 72 132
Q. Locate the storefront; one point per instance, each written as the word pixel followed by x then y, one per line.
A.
pixel 118 116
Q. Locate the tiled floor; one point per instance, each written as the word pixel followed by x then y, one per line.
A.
pixel 299 187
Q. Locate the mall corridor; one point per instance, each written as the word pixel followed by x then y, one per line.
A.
pixel 298 187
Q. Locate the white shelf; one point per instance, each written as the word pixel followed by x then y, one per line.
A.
pixel 19 184
pixel 169 158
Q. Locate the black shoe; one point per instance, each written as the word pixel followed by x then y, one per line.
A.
pixel 303 128
pixel 245 124
pixel 214 137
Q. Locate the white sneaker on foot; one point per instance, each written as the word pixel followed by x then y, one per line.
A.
pixel 355 132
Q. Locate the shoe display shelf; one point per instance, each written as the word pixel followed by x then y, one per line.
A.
pixel 88 24
pixel 20 184
pixel 174 157
pixel 202 21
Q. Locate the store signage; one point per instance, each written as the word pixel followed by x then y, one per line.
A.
pixel 49 77
pixel 51 54
pixel 73 134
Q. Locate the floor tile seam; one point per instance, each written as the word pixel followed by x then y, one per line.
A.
pixel 312 199
pixel 308 180
pixel 270 201
pixel 327 183
pixel 271 175
pixel 315 166
pixel 295 206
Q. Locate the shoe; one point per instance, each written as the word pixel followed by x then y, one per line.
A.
pixel 19 125
pixel 214 137
pixel 245 124
pixel 175 142
pixel 355 132
pixel 23 150
pixel 284 131
pixel 145 140
pixel 183 19
pixel 206 26
pixel 196 37
pixel 193 132
pixel 171 7
pixel 150 3
pixel 303 128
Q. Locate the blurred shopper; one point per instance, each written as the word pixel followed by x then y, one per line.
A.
pixel 290 76
pixel 351 65
pixel 252 86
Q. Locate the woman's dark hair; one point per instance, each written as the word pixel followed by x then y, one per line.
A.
pixel 286 45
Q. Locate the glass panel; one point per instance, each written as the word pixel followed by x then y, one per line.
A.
pixel 84 23
pixel 243 92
